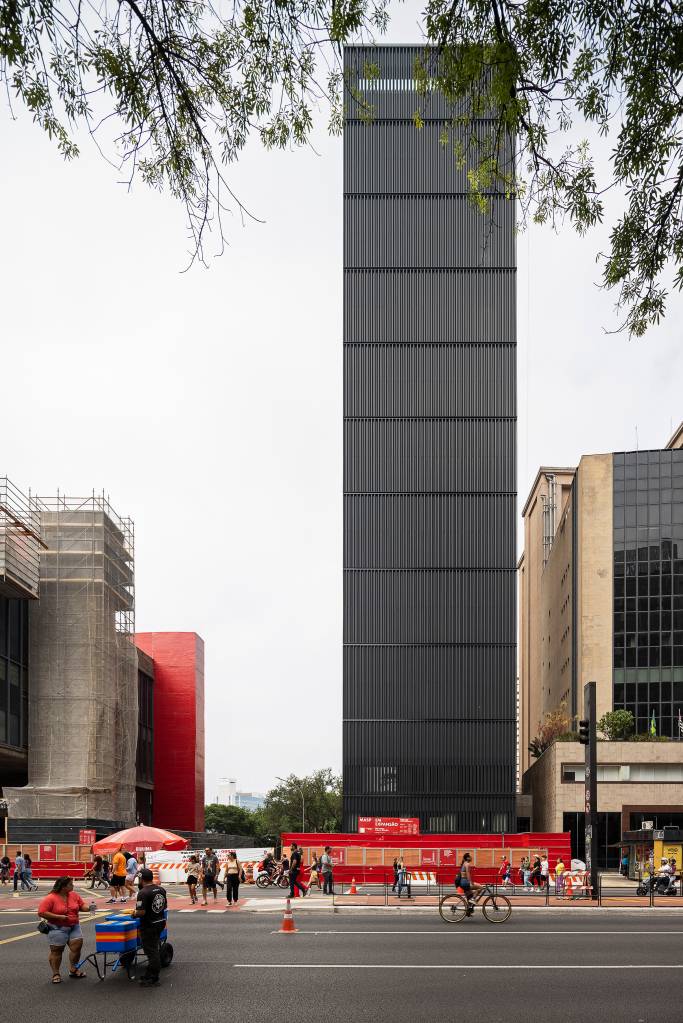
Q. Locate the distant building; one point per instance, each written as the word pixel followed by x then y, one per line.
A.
pixel 94 733
pixel 601 598
pixel 229 796
pixel 178 728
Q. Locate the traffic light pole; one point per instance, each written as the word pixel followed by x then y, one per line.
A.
pixel 591 791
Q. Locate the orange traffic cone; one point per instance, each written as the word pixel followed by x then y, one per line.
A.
pixel 287 921
pixel 352 890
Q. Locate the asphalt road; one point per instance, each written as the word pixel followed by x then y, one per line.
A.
pixel 546 966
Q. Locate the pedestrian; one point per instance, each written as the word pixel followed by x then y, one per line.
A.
pixel 61 910
pixel 526 874
pixel 193 869
pixel 395 869
pixel 535 873
pixel 118 877
pixel 624 864
pixel 524 867
pixel 295 870
pixel 19 871
pixel 132 869
pixel 96 872
pixel 28 873
pixel 545 871
pixel 106 871
pixel 504 872
pixel 210 868
pixel 559 876
pixel 5 869
pixel 234 873
pixel 314 878
pixel 403 880
pixel 327 870
pixel 150 909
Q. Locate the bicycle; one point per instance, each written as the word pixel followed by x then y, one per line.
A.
pixel 455 907
pixel 278 879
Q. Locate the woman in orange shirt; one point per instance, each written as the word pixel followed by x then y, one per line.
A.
pixel 61 909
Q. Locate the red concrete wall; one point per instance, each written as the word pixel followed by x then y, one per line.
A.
pixel 178 728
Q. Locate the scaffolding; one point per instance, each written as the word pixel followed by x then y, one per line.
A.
pixel 83 675
pixel 20 542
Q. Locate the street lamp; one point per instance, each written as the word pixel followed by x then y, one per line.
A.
pixel 286 781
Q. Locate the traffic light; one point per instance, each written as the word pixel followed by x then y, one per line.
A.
pixel 584 736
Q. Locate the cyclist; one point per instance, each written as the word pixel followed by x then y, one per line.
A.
pixel 464 880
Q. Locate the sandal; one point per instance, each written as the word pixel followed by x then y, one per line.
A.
pixel 76 974
pixel 56 979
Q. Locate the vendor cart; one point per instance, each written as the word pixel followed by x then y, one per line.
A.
pixel 118 945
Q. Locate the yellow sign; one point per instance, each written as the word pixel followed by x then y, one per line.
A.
pixel 668 851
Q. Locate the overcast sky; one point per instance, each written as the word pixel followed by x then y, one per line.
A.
pixel 208 406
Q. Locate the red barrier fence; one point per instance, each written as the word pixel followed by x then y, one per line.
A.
pixel 369 858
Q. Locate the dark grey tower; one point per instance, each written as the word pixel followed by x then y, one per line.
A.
pixel 429 471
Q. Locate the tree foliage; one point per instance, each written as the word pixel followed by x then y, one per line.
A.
pixel 282 811
pixel 321 806
pixel 229 820
pixel 185 85
pixel 555 725
pixel 617 725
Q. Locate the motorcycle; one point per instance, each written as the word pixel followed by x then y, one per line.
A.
pixel 661 884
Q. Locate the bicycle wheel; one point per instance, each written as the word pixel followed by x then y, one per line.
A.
pixel 262 881
pixel 453 909
pixel 283 882
pixel 497 908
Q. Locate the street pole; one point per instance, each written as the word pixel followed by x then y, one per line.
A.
pixel 587 734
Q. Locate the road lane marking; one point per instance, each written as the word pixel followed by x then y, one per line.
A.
pixel 470 933
pixel 451 966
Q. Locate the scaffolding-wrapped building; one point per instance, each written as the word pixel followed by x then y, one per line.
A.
pixel 83 669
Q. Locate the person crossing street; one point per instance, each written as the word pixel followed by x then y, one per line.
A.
pixel 295 870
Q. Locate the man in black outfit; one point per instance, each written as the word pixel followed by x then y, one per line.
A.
pixel 149 908
pixel 295 870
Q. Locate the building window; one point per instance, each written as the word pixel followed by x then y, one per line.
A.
pixel 145 750
pixel 14 672
pixel 609 836
pixel 648 588
pixel 660 773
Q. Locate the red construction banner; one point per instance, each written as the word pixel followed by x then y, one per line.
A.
pixel 338 857
pixel 47 852
pixel 86 836
pixel 389 825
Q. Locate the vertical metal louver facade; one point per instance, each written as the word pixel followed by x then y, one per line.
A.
pixel 429 470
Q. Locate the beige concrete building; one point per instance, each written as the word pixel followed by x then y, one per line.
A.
pixel 637 780
pixel 601 598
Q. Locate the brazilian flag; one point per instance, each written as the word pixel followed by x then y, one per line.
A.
pixel 653 725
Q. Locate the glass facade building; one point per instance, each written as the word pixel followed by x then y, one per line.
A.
pixel 648 588
pixel 429 468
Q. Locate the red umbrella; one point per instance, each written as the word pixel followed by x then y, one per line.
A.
pixel 140 839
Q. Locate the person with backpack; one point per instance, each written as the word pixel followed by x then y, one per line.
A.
pixel 327 870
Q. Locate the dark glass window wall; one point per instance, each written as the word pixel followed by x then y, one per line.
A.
pixel 14 672
pixel 145 749
pixel 648 587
